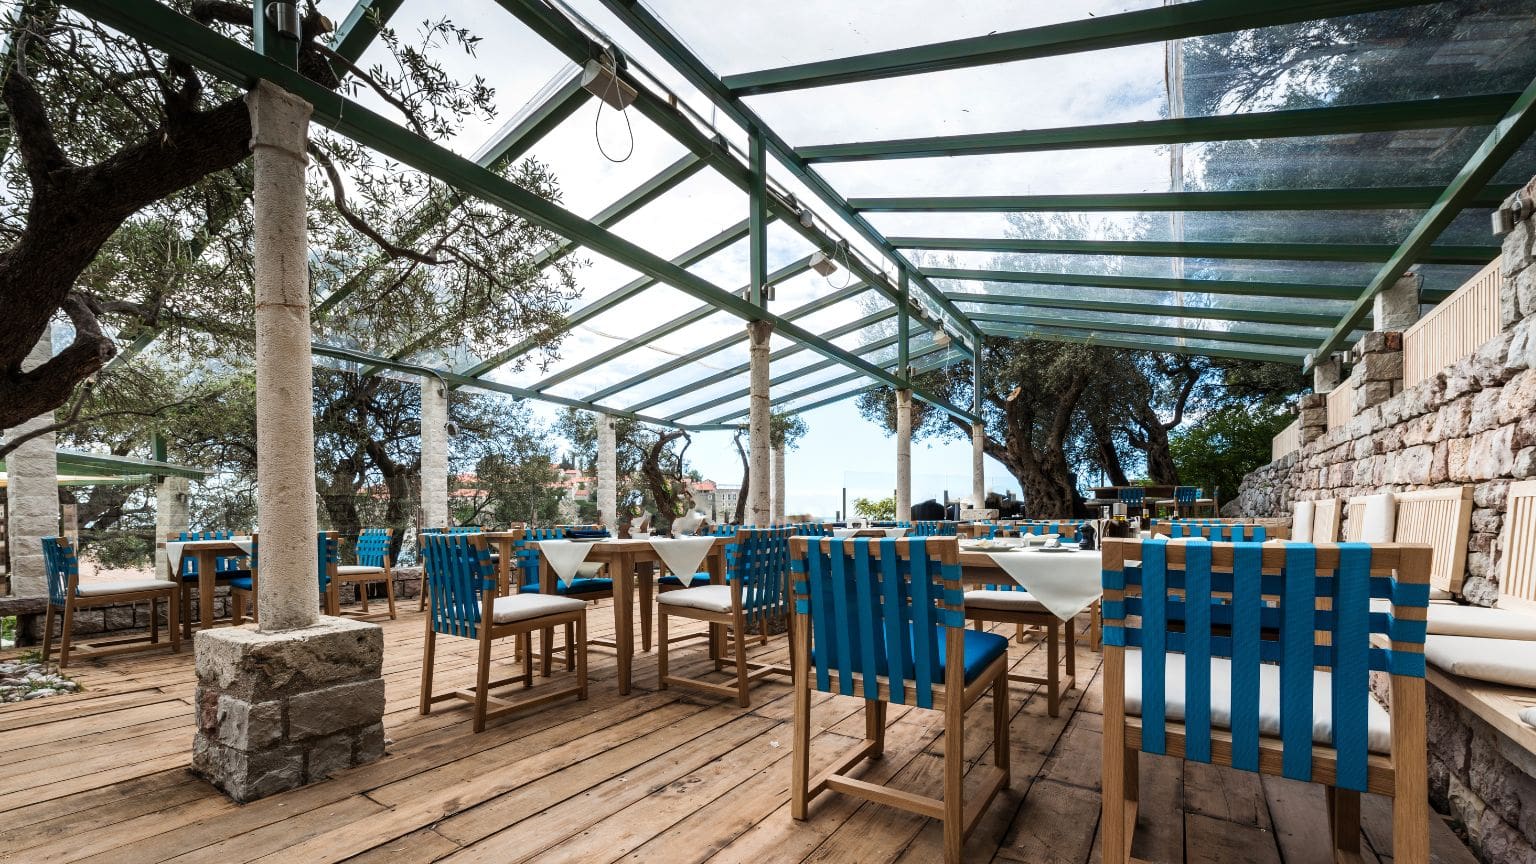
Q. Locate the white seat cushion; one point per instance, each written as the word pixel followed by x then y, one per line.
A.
pixel 1378 722
pixel 1451 619
pixel 1003 601
pixel 1502 661
pixel 96 589
pixel 521 607
pixel 1378 519
pixel 1301 521
pixel 358 570
pixel 710 598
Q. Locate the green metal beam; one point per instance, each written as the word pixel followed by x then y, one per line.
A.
pixel 1141 329
pixel 81 462
pixel 1384 198
pixel 1149 283
pixel 167 30
pixel 718 345
pixel 819 386
pixel 638 18
pixel 692 317
pixel 1341 252
pixel 1288 123
pixel 1089 338
pixel 1209 313
pixel 1176 21
pixel 781 354
pixel 1512 130
pixel 361 27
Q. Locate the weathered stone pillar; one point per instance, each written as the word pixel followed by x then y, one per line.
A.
pixel 1397 307
pixel 434 453
pixel 903 455
pixel 302 696
pixel 1327 374
pixel 607 473
pixel 170 514
pixel 759 425
pixel 1517 291
pixel 1378 374
pixel 978 465
pixel 778 484
pixel 1314 417
pixel 33 493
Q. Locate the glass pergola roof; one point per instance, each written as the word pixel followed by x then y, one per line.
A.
pixel 1209 177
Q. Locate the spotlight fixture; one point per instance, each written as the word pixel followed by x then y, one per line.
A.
pixel 822 263
pixel 601 78
pixel 285 17
pixel 807 218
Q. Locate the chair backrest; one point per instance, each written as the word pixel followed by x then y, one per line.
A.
pixel 1301 521
pixel 1371 518
pixel 528 557
pixel 1325 520
pixel 1225 532
pixel 1441 519
pixel 327 558
pixel 592 533
pixel 459 572
pixel 881 613
pixel 1185 495
pixel 63 568
pixel 189 562
pixel 464 529
pixel 812 529
pixel 1517 547
pixel 1257 604
pixel 373 547
pixel 1067 529
pixel 1134 495
pixel 934 528
pixel 760 560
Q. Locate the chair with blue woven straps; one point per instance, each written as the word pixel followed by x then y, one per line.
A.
pixel 1182 503
pixel 374 567
pixel 884 620
pixel 934 528
pixel 589 585
pixel 421 596
pixel 673 582
pixel 327 559
pixel 1224 532
pixel 1278 643
pixel 1135 500
pixel 754 592
pixel 462 602
pixel 225 569
pixel 67 594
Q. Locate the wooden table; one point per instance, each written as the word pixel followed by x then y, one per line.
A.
pixel 623 558
pixel 978 569
pixel 207 553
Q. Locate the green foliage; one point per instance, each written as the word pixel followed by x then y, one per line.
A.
pixel 119 550
pixel 786 430
pixel 876 508
pixel 1219 448
pixel 8 630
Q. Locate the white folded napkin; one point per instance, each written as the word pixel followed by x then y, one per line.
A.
pixel 683 555
pixel 684 525
pixel 896 532
pixel 1066 583
pixel 565 557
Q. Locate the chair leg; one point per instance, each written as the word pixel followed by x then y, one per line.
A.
pixel 570 650
pixel 546 643
pixel 1344 823
pixel 428 650
pixel 1053 670
pixel 47 634
pixel 172 620
pixel 581 655
pixel 421 596
pixel 362 595
pixel 1001 708
pixel 154 620
pixel 1071 628
pixel 647 591
pixel 954 775
pixel 185 591
pixel 739 625
pixel 800 758
pixel 389 593
pixel 236 607
pixel 525 649
pixel 64 634
pixel 661 648
pixel 874 726
pixel 482 679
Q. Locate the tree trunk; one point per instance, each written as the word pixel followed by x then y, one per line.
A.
pixel 746 480
pixel 1108 456
pixel 1160 467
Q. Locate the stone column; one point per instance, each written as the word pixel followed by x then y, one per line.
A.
pixel 434 453
pixel 607 473
pixel 1396 308
pixel 32 493
pixel 302 696
pixel 1327 374
pixel 759 424
pixel 978 466
pixel 778 484
pixel 1314 417
pixel 170 514
pixel 903 455
pixel 1378 374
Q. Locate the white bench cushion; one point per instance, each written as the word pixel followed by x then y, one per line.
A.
pixel 1379 519
pixel 1003 601
pixel 1301 524
pixel 1451 619
pixel 521 607
pixel 358 570
pixel 1501 661
pixel 710 598
pixel 1378 722
pixel 96 589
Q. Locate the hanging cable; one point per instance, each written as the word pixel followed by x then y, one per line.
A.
pixel 612 88
pixel 848 278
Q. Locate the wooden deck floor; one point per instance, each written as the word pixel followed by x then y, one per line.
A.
pixel 658 776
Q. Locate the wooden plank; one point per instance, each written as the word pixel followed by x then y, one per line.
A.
pixel 1213 841
pixel 1225 794
pixel 1299 812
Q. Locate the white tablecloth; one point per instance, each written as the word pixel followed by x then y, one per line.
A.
pixel 174 549
pixel 683 555
pixel 1064 582
pixel 850 532
pixel 565 557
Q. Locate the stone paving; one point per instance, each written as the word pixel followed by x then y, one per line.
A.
pixel 21 681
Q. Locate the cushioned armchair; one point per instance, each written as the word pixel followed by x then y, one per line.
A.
pixel 66 594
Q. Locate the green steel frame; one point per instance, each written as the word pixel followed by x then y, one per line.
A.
pixel 1149 283
pixel 1094 337
pixel 1366 198
pixel 1339 252
pixel 1211 313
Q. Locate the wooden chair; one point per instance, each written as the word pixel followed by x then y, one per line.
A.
pixel 1287 693
pixel 373 567
pixel 327 560
pixel 1442 519
pixel 1224 532
pixel 1010 604
pixel 463 603
pixel 934 528
pixel 1183 501
pixel 754 590
pixel 66 594
pixel 590 585
pixel 884 620
pixel 421 558
pixel 1135 500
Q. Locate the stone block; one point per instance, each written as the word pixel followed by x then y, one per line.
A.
pixel 1525 291
pixel 1479 590
pixel 1515 253
pixel 1413 465
pixel 329 754
pixel 1461 379
pixel 258 666
pixel 1453 419
pixel 1485 411
pixel 345 706
pixel 1492 494
pixel 1382 366
pixel 1439 467
pixel 247 776
pixel 249 726
pixel 1491 454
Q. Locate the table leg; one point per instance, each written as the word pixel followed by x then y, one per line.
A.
pixel 647 576
pixel 624 617
pixel 717 631
pixel 206 562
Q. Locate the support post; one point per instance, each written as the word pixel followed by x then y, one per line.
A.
pixel 607 473
pixel 170 515
pixel 903 455
pixel 434 453
pixel 299 697
pixel 778 483
pixel 32 493
pixel 1327 374
pixel 759 424
pixel 978 438
pixel 1396 308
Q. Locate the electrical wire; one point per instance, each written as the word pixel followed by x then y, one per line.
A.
pixel 613 83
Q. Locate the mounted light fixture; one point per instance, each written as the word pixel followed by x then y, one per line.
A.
pixel 600 77
pixel 285 17
pixel 822 263
pixel 806 217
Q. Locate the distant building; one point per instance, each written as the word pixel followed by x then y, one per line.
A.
pixel 723 503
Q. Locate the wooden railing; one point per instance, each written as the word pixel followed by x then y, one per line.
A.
pixel 1287 442
pixel 1341 404
pixel 1454 329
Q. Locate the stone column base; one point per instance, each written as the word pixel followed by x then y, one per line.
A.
pixel 276 711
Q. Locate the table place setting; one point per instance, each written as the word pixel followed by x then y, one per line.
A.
pixel 1063 577
pixel 683 555
pixel 568 559
pixel 174 550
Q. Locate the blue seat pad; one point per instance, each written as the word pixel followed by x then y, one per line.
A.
pixel 241 582
pixel 698 579
pixel 981 649
pixel 578 586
